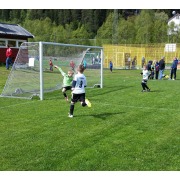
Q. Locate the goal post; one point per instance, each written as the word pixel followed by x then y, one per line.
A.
pixel 31 75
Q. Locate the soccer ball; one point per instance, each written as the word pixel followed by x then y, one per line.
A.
pixel 18 91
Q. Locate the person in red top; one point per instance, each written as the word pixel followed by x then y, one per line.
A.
pixel 8 56
pixel 72 65
pixel 51 65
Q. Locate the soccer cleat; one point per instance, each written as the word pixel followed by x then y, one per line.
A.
pixel 143 91
pixel 88 103
pixel 70 116
pixel 148 90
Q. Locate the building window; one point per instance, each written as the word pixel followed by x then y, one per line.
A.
pixel 20 42
pixel 12 43
pixel 2 43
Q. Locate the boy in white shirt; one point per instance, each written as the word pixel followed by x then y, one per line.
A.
pixel 78 90
pixel 145 74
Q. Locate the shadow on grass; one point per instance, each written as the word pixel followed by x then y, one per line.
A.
pixel 103 116
pixel 111 90
pixel 153 91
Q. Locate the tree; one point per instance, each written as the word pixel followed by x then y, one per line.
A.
pixel 105 31
pixel 160 28
pixel 144 26
pixel 126 30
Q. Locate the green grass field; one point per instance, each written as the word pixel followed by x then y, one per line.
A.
pixel 124 130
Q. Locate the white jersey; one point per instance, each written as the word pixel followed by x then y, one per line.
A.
pixel 80 84
pixel 145 74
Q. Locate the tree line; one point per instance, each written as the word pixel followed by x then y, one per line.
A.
pixel 94 26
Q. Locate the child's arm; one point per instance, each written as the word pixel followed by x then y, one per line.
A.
pixel 61 71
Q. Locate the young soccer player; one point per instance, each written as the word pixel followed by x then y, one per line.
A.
pixel 145 74
pixel 78 90
pixel 67 81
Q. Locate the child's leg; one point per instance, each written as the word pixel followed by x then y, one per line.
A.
pixel 146 86
pixel 64 93
pixel 71 110
pixel 143 86
pixel 84 101
pixel 73 101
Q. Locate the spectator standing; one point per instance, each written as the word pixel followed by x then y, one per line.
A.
pixel 72 65
pixel 110 65
pixel 143 61
pixel 93 60
pixel 8 56
pixel 174 68
pixel 129 62
pixel 156 70
pixel 161 67
pixel 134 62
pixel 50 65
pixel 148 67
pixel 84 64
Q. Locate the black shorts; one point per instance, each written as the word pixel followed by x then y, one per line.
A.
pixel 144 81
pixel 67 88
pixel 78 97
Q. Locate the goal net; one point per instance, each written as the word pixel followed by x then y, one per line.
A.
pixel 31 74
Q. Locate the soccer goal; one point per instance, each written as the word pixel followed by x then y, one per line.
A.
pixel 31 75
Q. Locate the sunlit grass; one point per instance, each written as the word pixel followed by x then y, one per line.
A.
pixel 125 130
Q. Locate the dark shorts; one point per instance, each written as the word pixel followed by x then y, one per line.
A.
pixel 78 97
pixel 67 88
pixel 144 81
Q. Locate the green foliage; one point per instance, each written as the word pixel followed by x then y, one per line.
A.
pixel 144 26
pixel 105 31
pixel 160 27
pixel 124 130
pixel 106 26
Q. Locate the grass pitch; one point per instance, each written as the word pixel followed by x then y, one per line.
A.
pixel 124 130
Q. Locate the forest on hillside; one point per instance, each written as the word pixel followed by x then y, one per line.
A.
pixel 94 26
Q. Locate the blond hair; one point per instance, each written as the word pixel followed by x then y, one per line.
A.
pixel 70 72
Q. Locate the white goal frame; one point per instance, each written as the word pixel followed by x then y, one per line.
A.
pixel 42 51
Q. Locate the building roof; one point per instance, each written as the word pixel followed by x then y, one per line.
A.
pixel 174 17
pixel 14 30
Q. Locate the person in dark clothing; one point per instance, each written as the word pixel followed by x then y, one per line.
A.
pixel 143 61
pixel 156 70
pixel 161 67
pixel 110 66
pixel 134 62
pixel 149 65
pixel 174 68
